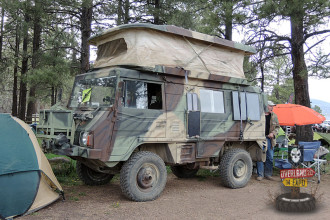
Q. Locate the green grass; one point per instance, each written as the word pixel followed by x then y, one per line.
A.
pixel 82 194
pixel 50 156
pixel 65 172
pixel 73 198
pixel 207 173
pixel 202 174
pixel 327 157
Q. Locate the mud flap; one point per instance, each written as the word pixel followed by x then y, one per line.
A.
pixel 261 151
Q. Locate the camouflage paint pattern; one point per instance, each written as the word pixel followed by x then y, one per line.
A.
pixel 117 131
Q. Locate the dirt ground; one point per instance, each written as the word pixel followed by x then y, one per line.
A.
pixel 197 198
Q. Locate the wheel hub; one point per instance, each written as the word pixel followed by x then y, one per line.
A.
pixel 240 169
pixel 146 177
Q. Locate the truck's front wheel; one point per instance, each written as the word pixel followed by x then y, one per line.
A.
pixel 143 176
pixel 235 168
pixel 91 177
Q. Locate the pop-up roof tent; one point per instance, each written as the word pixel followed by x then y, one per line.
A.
pixel 27 182
pixel 148 45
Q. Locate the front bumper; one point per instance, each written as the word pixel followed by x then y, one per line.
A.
pixel 72 150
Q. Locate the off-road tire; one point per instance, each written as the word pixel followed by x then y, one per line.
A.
pixel 305 203
pixel 184 171
pixel 91 177
pixel 235 168
pixel 143 176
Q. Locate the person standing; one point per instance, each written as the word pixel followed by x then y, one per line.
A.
pixel 271 130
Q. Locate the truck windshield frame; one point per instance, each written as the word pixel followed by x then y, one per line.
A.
pixel 93 92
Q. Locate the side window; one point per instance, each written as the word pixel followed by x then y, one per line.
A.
pixel 212 101
pixel 192 101
pixel 143 95
pixel 112 48
pixel 249 103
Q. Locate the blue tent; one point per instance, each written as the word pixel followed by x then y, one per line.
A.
pixel 27 182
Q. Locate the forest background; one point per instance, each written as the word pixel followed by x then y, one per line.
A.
pixel 43 43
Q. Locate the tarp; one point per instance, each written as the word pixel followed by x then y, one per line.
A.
pixel 151 45
pixel 324 136
pixel 27 182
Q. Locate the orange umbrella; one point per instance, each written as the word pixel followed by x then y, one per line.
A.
pixel 292 114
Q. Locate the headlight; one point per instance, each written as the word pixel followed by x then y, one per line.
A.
pixel 85 139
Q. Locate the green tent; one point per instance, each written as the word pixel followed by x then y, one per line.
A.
pixel 27 182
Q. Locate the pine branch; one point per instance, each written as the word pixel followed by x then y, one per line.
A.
pixel 314 45
pixel 315 33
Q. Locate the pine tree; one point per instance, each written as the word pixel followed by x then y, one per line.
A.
pixel 307 19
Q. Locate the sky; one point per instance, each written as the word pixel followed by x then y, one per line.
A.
pixel 319 89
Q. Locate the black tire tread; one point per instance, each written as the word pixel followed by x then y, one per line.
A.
pixel 125 173
pixel 225 164
pixel 82 172
pixel 288 206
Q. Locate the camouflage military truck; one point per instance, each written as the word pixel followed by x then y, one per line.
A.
pixel 160 95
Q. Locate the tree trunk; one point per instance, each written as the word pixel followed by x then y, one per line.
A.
pixel 300 73
pixel 25 59
pixel 262 70
pixel 53 102
pixel 32 107
pixel 74 69
pixel 120 12
pixel 262 76
pixel 126 12
pixel 1 30
pixel 157 12
pixel 17 41
pixel 229 20
pixel 276 92
pixel 86 29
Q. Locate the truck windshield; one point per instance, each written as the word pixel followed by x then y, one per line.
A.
pixel 94 93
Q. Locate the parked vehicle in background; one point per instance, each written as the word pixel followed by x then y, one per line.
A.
pixel 160 95
pixel 325 127
pixel 317 128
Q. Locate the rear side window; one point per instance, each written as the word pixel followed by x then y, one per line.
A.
pixel 247 105
pixel 212 101
pixel 143 95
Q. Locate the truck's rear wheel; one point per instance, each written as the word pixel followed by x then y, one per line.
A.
pixel 235 168
pixel 91 177
pixel 184 171
pixel 143 176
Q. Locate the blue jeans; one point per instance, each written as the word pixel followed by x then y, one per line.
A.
pixel 266 169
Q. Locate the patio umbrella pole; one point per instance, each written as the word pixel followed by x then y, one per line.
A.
pixel 295 191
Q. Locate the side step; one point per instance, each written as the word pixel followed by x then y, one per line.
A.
pixel 209 167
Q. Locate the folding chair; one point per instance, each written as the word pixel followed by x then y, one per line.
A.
pixel 311 158
pixel 281 148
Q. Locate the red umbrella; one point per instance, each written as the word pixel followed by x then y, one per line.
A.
pixel 292 114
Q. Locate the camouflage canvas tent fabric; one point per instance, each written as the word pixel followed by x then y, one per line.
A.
pixel 27 182
pixel 149 45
